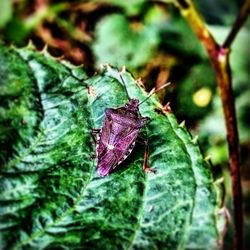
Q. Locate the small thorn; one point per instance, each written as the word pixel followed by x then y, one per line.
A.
pixel 80 66
pixel 151 91
pixel 12 46
pixel 166 108
pixel 104 66
pixel 163 86
pixel 59 58
pixel 45 49
pixel 139 82
pixel 30 45
pixel 195 139
pixel 149 170
pixel 219 181
pixel 208 158
pixel 123 70
pixel 182 124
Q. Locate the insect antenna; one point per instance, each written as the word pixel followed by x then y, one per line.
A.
pixel 124 85
pixel 153 91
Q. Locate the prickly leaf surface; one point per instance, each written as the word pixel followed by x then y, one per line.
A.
pixel 50 194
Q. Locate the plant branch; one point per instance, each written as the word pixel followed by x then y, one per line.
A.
pixel 219 58
pixel 241 18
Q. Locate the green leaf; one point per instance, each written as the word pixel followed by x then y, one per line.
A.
pixel 189 87
pixel 119 44
pixel 50 194
pixel 6 12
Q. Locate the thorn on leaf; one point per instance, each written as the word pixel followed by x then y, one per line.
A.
pixel 195 139
pixel 208 158
pixel 182 124
pixel 139 82
pixel 166 108
pixel 219 181
pixel 123 70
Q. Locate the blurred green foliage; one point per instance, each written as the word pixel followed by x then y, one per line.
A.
pixel 6 15
pixel 131 48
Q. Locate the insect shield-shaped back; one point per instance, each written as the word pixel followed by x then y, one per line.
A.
pixel 118 135
pixel 119 132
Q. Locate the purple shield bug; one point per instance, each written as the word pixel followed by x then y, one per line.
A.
pixel 117 137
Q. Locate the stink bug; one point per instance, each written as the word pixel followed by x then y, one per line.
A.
pixel 117 137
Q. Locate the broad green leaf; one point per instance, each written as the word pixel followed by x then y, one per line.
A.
pixel 50 194
pixel 124 46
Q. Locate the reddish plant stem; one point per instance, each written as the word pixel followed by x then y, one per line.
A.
pixel 224 80
pixel 219 58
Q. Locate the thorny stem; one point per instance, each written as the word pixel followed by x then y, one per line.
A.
pixel 219 58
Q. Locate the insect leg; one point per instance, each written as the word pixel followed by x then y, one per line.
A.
pixel 145 166
pixel 94 133
pixel 95 130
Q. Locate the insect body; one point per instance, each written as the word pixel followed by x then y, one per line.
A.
pixel 120 129
pixel 117 137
